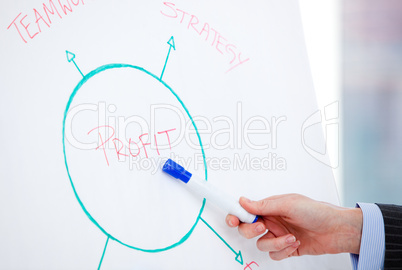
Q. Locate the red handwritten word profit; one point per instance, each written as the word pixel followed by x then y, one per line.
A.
pixel 29 27
pixel 133 148
pixel 204 30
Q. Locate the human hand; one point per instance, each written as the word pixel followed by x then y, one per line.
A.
pixel 298 225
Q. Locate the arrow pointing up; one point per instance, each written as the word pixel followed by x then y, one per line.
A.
pixel 171 45
pixel 171 42
pixel 70 58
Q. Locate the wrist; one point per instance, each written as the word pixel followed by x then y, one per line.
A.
pixel 350 230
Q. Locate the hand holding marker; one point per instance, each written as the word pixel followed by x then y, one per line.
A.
pixel 209 192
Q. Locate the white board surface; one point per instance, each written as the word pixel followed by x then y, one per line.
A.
pixel 96 95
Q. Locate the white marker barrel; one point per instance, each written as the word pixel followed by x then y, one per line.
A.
pixel 208 191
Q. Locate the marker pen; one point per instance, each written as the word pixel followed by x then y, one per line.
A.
pixel 209 192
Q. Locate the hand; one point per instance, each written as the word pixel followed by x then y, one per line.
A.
pixel 298 225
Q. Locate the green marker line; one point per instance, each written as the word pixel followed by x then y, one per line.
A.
pixel 78 68
pixel 70 58
pixel 171 44
pixel 103 254
pixel 239 257
pixel 71 98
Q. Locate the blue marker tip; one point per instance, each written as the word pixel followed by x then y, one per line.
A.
pixel 255 220
pixel 177 171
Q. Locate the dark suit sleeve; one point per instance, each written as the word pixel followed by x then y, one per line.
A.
pixel 392 215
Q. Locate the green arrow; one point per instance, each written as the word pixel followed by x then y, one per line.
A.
pixel 103 254
pixel 171 45
pixel 239 257
pixel 70 58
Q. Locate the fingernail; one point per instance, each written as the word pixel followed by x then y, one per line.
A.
pixel 246 199
pixel 297 244
pixel 259 228
pixel 229 221
pixel 290 239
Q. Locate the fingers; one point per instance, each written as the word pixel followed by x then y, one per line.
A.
pixel 285 253
pixel 271 243
pixel 251 230
pixel 266 207
pixel 247 230
pixel 232 221
pixel 278 247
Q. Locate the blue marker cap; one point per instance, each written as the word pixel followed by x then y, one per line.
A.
pixel 176 171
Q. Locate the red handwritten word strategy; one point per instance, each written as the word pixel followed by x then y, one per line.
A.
pixel 30 27
pixel 204 30
pixel 249 266
pixel 134 148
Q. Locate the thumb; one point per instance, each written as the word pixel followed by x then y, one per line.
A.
pixel 264 207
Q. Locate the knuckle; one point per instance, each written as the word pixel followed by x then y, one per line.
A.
pixel 249 235
pixel 240 231
pixel 261 205
pixel 274 256
pixel 260 245
pixel 244 232
pixel 277 245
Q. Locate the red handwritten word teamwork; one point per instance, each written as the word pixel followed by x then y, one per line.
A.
pixel 28 26
pixel 134 149
pixel 205 31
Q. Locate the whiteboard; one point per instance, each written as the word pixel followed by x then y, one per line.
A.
pixel 96 95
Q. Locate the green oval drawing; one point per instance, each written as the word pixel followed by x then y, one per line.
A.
pixel 79 85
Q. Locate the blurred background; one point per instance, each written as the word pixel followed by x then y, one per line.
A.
pixel 355 52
